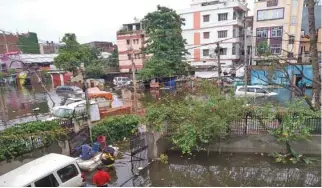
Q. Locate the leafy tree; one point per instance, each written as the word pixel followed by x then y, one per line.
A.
pixel 73 54
pixel 28 43
pixel 113 60
pixel 95 69
pixel 196 119
pixel 165 43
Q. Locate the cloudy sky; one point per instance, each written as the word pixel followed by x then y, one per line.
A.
pixel 89 19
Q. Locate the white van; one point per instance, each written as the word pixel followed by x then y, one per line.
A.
pixel 253 91
pixel 52 170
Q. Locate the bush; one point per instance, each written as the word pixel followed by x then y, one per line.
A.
pixel 25 137
pixel 116 128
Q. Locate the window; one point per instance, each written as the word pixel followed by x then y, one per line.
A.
pixel 67 173
pixel 128 42
pixel 252 90
pixel 293 20
pixel 291 39
pixel 223 51
pixel 234 16
pixel 206 18
pixel 205 52
pixel 261 32
pixel 222 17
pixel 206 35
pixel 222 34
pixel 234 32
pixel 276 31
pixel 48 181
pixel 271 14
pixel 276 49
pixel 241 89
pixel 234 49
pixel 260 91
pixel 129 56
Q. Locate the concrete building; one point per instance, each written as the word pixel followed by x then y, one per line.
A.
pixel 208 22
pixel 46 47
pixel 131 35
pixel 277 31
pixel 102 46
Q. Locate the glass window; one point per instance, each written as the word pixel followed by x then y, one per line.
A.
pixel 63 113
pixel 223 51
pixel 260 91
pixel 67 173
pixel 275 49
pixel 205 52
pixel 206 18
pixel 222 34
pixel 261 32
pixel 234 49
pixel 222 17
pixel 252 90
pixel 241 89
pixel 270 14
pixel 276 31
pixel 206 35
pixel 48 181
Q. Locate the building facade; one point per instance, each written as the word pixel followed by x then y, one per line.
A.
pixel 208 22
pixel 130 40
pixel 49 47
pixel 102 46
pixel 277 31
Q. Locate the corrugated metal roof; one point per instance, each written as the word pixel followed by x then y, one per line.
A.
pixel 34 58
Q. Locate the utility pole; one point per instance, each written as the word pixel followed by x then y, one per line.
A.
pixel 245 55
pixel 134 80
pixel 219 67
pixel 5 40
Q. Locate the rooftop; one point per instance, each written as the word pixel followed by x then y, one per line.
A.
pixel 34 170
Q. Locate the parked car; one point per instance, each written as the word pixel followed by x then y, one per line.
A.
pixel 122 81
pixel 66 111
pixel 52 170
pixel 69 91
pixel 253 91
pixel 227 79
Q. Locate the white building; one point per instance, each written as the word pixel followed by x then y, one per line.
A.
pixel 208 22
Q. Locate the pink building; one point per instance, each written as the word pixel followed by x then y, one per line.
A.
pixel 131 35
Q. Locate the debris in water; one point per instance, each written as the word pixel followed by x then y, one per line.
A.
pixel 13 111
pixel 189 158
pixel 140 168
pixel 256 153
pixel 162 179
pixel 36 109
pixel 262 154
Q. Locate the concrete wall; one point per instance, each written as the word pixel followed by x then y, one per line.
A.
pixel 255 144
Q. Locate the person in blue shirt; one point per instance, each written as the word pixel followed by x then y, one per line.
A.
pixel 86 152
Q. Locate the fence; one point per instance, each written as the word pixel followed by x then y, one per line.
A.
pixel 257 126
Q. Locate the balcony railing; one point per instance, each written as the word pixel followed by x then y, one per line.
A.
pixel 271 3
pixel 127 32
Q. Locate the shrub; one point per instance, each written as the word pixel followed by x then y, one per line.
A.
pixel 116 128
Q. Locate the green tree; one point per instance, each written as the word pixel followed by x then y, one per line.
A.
pixel 165 43
pixel 95 69
pixel 28 43
pixel 113 60
pixel 196 119
pixel 73 54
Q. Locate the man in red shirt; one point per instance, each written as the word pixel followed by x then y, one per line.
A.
pixel 101 178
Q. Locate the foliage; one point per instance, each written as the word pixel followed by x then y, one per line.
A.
pixel 263 49
pixel 293 126
pixel 22 138
pixel 2 75
pixel 113 59
pixel 197 119
pixel 164 158
pixel 116 128
pixel 28 43
pixel 95 69
pixel 72 54
pixel 165 43
pixel 11 71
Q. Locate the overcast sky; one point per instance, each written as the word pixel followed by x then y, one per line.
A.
pixel 89 19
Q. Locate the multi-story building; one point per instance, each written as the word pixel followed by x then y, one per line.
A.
pixel 102 46
pixel 305 34
pixel 130 40
pixel 49 47
pixel 208 22
pixel 8 43
pixel 277 31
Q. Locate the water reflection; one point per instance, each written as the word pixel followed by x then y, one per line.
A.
pixel 229 170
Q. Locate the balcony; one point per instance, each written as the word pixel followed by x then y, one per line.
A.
pixel 129 32
pixel 272 3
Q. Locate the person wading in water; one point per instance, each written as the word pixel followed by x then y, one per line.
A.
pixel 101 178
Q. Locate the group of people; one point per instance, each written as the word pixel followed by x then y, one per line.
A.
pixel 101 178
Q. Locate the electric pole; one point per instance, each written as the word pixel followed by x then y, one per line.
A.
pixel 245 55
pixel 5 41
pixel 134 80
pixel 219 67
